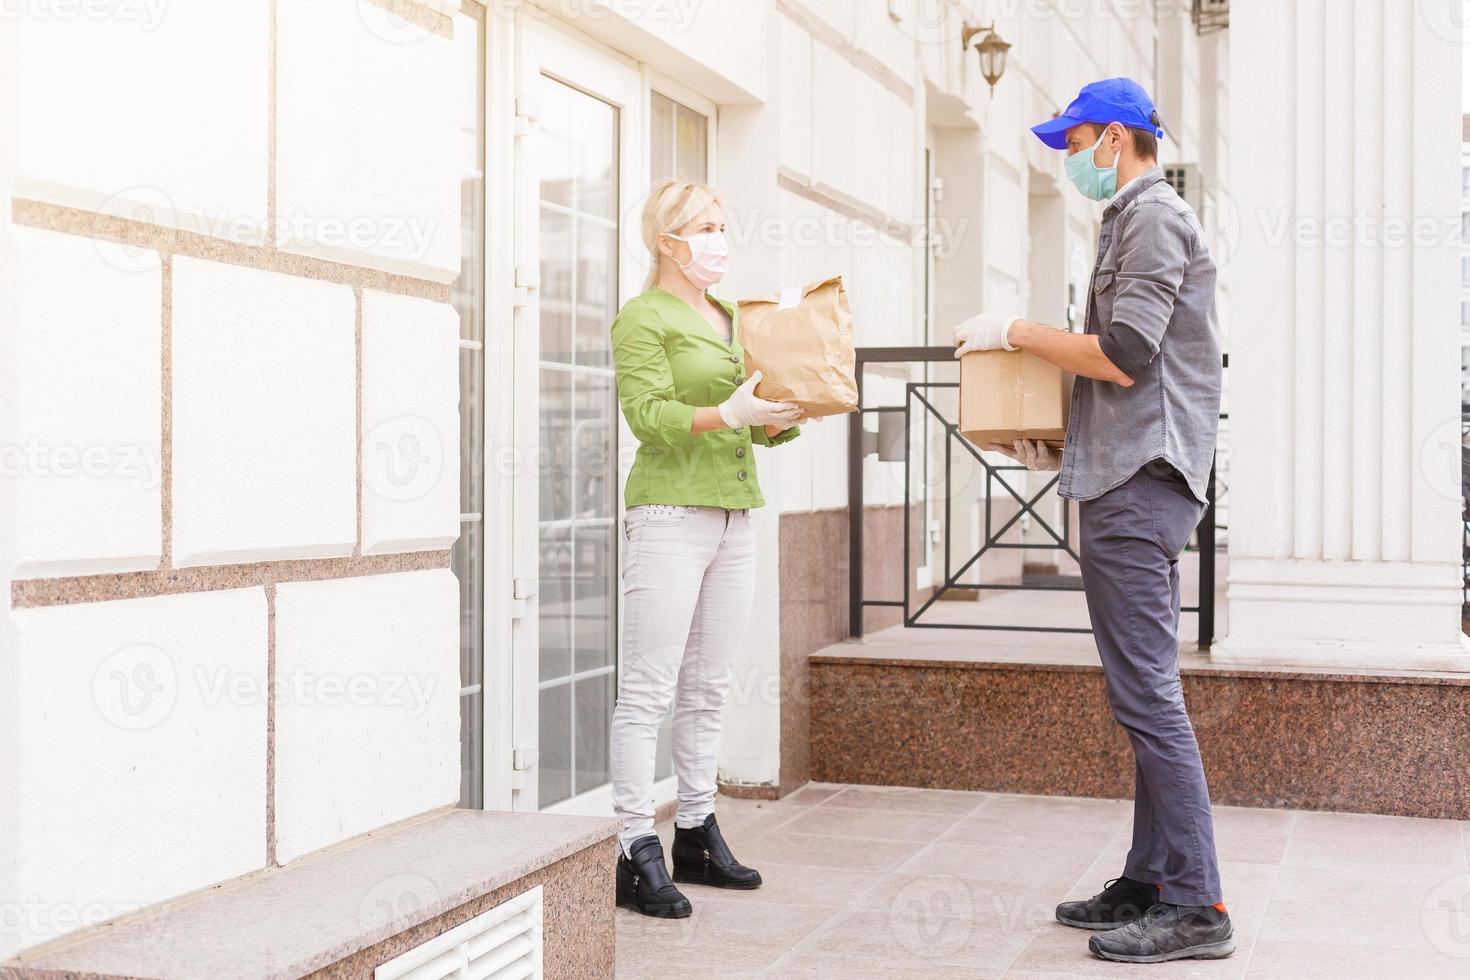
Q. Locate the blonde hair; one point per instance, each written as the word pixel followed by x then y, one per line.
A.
pixel 671 205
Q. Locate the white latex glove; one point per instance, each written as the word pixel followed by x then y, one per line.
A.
pixel 745 408
pixel 1032 453
pixel 983 331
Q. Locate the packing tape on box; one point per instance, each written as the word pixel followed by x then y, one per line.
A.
pixel 789 299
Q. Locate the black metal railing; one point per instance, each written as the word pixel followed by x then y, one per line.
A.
pixel 917 399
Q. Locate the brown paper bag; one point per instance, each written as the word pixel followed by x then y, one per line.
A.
pixel 1010 395
pixel 801 342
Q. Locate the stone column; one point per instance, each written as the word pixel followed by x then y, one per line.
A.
pixel 1345 489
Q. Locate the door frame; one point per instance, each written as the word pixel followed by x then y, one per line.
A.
pixel 504 342
pixel 556 50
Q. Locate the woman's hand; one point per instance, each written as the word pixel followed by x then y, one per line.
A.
pixel 776 430
pixel 744 407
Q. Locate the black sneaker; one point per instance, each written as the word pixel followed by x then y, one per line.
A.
pixel 644 885
pixel 1120 902
pixel 1169 932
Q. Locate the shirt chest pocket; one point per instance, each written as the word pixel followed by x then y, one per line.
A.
pixel 1104 291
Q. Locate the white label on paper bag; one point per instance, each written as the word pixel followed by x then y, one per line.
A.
pixel 789 298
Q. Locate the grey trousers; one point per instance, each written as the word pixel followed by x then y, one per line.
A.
pixel 1131 538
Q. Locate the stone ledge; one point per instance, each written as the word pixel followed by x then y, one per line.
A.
pixel 331 908
pixel 1367 743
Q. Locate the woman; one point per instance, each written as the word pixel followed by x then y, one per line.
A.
pixel 689 552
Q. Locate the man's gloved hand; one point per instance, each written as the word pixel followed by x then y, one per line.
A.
pixel 983 331
pixel 1032 453
pixel 745 408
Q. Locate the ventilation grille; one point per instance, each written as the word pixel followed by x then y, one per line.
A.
pixel 1210 15
pixel 1188 183
pixel 501 944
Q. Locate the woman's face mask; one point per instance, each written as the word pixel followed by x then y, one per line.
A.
pixel 1098 183
pixel 709 258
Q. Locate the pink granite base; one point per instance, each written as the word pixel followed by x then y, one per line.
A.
pixel 1370 744
pixel 343 911
pixel 814 615
pixel 577 920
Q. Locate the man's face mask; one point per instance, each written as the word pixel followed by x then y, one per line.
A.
pixel 1098 183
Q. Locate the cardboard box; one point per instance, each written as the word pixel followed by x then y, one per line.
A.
pixel 1010 395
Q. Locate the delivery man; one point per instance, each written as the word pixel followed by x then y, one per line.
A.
pixel 1137 456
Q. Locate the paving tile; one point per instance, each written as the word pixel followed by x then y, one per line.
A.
pixel 813 793
pixel 819 850
pixel 1008 906
pixel 792 884
pixel 720 939
pixel 1250 848
pixel 1375 827
pixel 945 801
pixel 1392 925
pixel 1247 887
pixel 1067 811
pixel 1252 820
pixel 985 827
pixel 804 964
pixel 918 934
pixel 1281 960
pixel 1352 886
pixel 839 821
pixel 1056 869
pixel 746 820
pixel 1386 855
pixel 971 892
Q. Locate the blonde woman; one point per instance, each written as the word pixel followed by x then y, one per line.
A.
pixel 688 551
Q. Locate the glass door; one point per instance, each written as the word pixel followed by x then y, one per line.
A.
pixel 582 161
pixel 578 474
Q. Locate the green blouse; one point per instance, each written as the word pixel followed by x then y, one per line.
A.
pixel 670 362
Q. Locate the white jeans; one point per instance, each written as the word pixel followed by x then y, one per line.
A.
pixel 688 585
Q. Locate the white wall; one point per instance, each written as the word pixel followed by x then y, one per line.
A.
pixel 9 382
pixel 1346 493
pixel 234 357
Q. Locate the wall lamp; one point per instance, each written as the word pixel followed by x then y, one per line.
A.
pixel 992 51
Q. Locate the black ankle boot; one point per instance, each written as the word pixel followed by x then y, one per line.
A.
pixel 702 857
pixel 644 885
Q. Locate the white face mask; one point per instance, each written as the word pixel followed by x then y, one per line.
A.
pixel 709 258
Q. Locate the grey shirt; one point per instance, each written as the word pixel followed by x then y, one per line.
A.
pixel 1152 307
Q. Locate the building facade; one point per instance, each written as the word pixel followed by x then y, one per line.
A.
pixel 314 459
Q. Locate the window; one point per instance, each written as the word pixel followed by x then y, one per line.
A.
pixel 1465 181
pixel 1465 316
pixel 1465 271
pixel 680 141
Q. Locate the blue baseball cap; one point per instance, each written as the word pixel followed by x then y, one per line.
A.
pixel 1119 100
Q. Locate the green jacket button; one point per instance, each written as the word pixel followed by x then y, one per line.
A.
pixel 734 358
pixel 740 453
pixel 740 475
